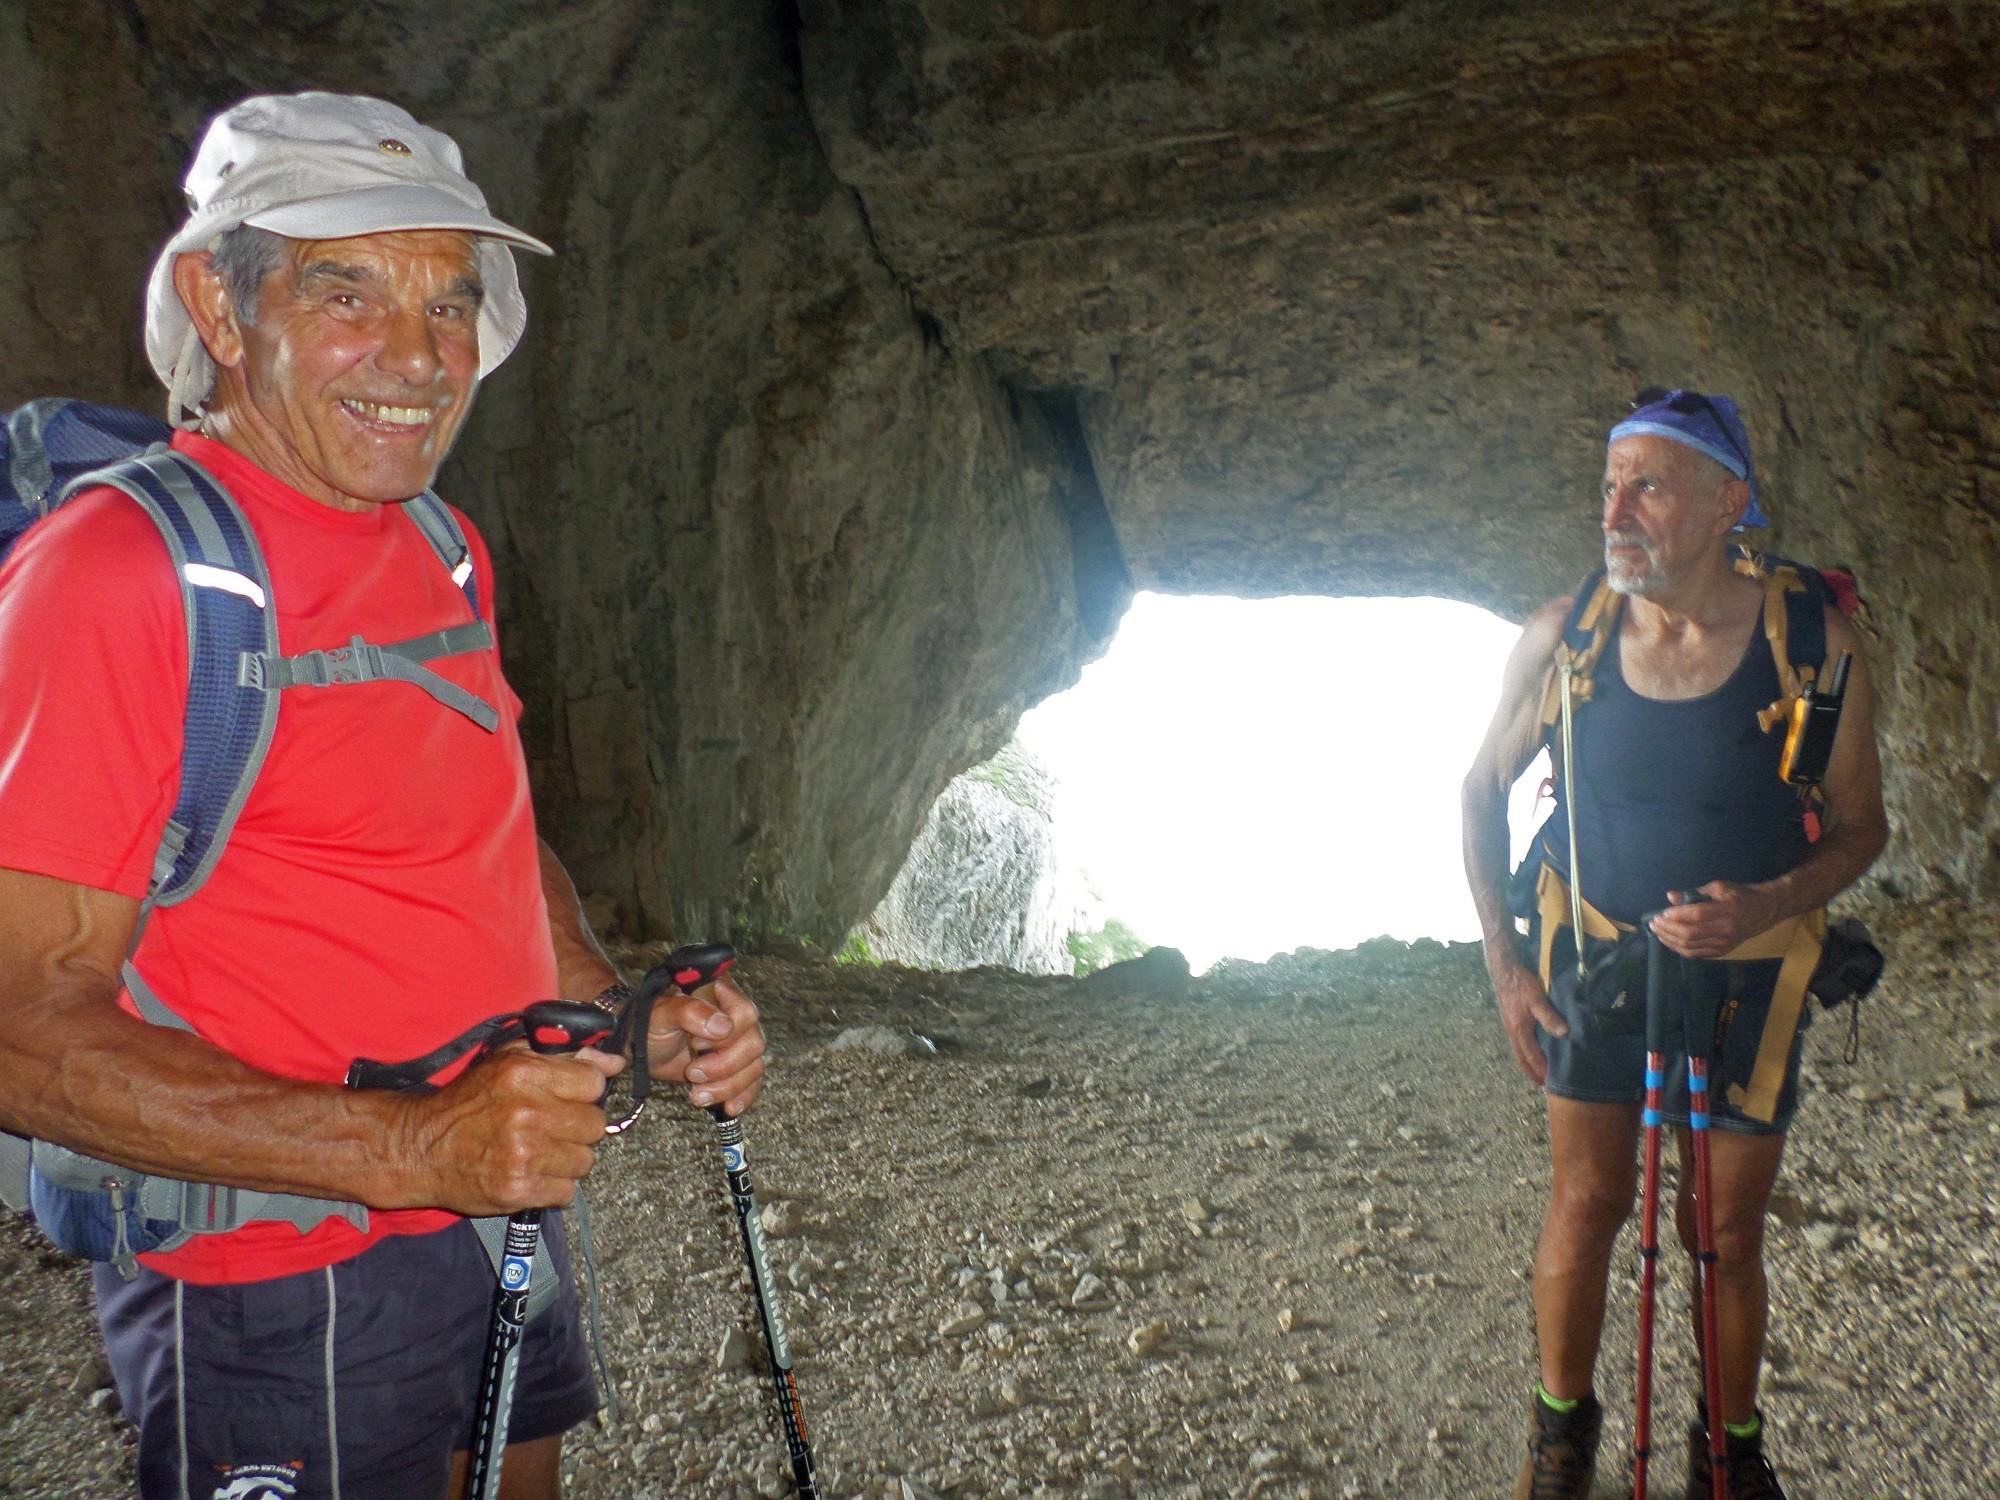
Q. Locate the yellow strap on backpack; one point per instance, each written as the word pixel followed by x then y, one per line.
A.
pixel 1794 681
pixel 1598 617
pixel 1798 943
pixel 1552 910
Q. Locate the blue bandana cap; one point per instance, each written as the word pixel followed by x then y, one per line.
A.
pixel 1708 424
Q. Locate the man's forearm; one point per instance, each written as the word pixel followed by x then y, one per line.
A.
pixel 581 967
pixel 1836 862
pixel 88 1076
pixel 1486 840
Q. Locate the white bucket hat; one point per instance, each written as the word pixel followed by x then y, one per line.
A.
pixel 320 167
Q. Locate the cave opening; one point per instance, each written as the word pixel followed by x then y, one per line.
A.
pixel 1234 778
pixel 1244 777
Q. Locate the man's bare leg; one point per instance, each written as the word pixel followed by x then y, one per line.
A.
pixel 530 1471
pixel 1594 1151
pixel 1743 1170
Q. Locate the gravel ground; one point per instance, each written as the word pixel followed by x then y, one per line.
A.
pixel 1265 1236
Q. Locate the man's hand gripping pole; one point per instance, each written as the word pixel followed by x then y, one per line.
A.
pixel 553 1028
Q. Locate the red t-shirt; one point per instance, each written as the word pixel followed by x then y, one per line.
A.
pixel 381 891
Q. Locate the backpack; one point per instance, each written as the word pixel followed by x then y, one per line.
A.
pixel 51 450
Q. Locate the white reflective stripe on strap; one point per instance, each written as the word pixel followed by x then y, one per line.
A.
pixel 462 572
pixel 205 576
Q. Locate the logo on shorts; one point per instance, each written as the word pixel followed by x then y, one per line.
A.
pixel 260 1481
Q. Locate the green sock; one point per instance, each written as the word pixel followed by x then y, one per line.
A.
pixel 1745 1430
pixel 1560 1408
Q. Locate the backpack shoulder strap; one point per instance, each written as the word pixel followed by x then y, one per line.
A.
pixel 1796 598
pixel 1593 613
pixel 225 594
pixel 447 538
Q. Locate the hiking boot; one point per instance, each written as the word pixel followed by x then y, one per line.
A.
pixel 1562 1451
pixel 1750 1474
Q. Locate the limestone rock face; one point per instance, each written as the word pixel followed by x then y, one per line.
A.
pixel 986 881
pixel 891 342
pixel 1350 290
pixel 774 562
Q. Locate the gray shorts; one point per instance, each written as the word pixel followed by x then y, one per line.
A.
pixel 1596 1066
pixel 356 1382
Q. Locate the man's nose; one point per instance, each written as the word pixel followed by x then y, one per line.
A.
pixel 409 348
pixel 1617 506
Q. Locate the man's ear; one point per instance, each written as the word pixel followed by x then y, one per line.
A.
pixel 209 308
pixel 1734 500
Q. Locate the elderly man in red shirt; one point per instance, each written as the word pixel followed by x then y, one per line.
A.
pixel 322 322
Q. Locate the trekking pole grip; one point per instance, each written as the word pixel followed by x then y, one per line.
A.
pixel 555 1028
pixel 687 969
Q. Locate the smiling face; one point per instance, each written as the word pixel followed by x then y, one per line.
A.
pixel 1665 507
pixel 359 368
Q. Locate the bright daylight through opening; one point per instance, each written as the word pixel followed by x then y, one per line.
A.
pixel 1244 777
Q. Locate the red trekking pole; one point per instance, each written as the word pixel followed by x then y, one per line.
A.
pixel 1704 1229
pixel 1691 1007
pixel 1649 1212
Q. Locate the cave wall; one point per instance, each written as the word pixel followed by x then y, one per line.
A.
pixel 889 334
pixel 1349 291
pixel 774 564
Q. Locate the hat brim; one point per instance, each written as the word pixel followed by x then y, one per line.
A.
pixel 388 210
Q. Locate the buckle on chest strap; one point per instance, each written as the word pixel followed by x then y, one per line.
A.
pixel 359 661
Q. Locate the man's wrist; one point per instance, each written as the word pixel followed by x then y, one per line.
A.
pixel 398 1172
pixel 1770 904
pixel 1503 952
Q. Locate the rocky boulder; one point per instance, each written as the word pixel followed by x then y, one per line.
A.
pixel 986 881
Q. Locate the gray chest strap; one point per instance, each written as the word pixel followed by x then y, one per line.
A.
pixel 358 661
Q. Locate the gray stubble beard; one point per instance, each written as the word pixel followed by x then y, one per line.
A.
pixel 1628 585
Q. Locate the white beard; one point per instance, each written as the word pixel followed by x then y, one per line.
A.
pixel 1624 579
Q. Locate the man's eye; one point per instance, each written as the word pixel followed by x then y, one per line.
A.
pixel 448 310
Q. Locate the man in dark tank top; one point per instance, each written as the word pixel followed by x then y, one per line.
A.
pixel 1679 808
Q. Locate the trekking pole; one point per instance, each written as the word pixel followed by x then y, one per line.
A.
pixel 554 1028
pixel 687 970
pixel 1566 672
pixel 1699 1038
pixel 1649 1212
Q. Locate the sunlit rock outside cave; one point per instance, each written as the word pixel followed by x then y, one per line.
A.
pixel 987 881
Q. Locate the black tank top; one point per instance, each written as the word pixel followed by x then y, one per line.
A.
pixel 1672 795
